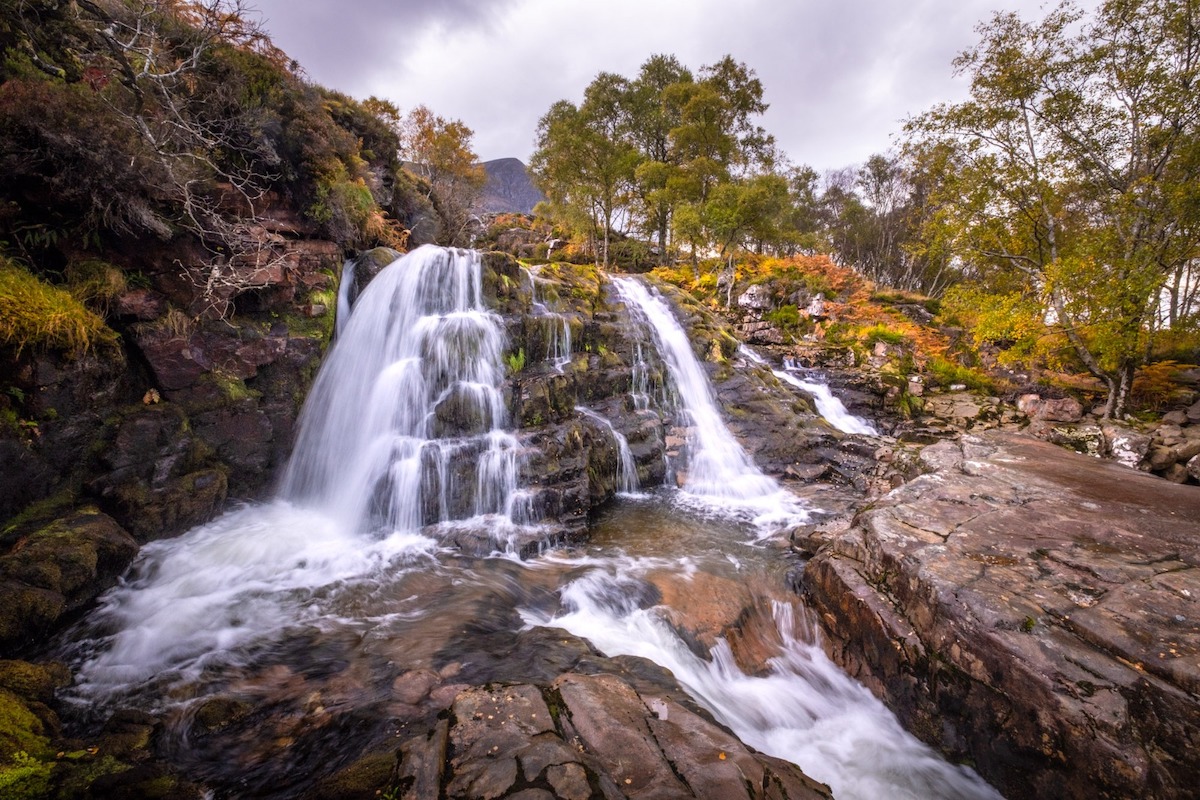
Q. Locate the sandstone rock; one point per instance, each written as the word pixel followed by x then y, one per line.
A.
pixel 1033 611
pixel 604 739
pixel 1066 409
pixel 1124 444
pixel 141 304
pixel 755 298
pixel 1177 417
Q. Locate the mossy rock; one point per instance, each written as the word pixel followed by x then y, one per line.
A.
pixel 76 556
pixel 21 730
pixel 365 778
pixel 33 681
pixel 26 610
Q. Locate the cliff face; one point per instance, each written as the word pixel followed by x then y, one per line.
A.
pixel 116 446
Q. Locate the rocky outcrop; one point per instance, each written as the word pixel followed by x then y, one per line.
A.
pixel 50 571
pixel 586 736
pixel 1032 610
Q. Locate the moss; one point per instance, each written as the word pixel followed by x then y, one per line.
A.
pixel 25 777
pixel 32 681
pixel 233 388
pixel 20 730
pixel 36 315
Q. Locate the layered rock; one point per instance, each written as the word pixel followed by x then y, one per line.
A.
pixel 1032 610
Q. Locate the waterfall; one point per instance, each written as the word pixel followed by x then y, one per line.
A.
pixel 558 326
pixel 718 469
pixel 828 406
pixel 405 425
pixel 627 478
pixel 345 298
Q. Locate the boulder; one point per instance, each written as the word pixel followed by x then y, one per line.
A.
pixel 1124 444
pixel 756 298
pixel 1032 611
pixel 1066 409
pixel 1177 417
pixel 1193 412
pixel 57 568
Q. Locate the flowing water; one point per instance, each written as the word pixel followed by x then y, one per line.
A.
pixel 305 611
pixel 828 406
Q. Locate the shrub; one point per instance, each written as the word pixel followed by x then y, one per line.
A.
pixel 95 283
pixel 946 373
pixel 881 333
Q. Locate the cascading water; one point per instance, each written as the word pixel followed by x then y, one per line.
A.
pixel 345 298
pixel 719 472
pixel 558 326
pixel 828 406
pixel 801 707
pixel 308 608
pixel 405 424
pixel 627 477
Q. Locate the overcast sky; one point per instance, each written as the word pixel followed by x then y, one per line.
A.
pixel 840 75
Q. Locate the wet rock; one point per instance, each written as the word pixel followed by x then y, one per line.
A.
pixel 1033 611
pixel 58 568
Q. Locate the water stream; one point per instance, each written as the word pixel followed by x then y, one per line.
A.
pixel 828 405
pixel 308 608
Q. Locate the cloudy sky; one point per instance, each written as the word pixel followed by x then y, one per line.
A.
pixel 840 75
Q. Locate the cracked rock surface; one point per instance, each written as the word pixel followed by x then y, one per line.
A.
pixel 1032 610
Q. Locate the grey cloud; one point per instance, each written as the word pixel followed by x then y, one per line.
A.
pixel 840 76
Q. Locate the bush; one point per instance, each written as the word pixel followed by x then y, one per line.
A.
pixel 881 333
pixel 944 372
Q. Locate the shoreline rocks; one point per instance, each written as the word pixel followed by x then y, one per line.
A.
pixel 1031 610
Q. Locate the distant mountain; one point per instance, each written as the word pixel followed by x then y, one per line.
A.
pixel 508 189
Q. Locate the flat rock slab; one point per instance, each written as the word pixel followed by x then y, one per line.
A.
pixel 1033 610
pixel 582 737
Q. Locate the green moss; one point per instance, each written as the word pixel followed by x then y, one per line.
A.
pixel 234 389
pixel 37 315
pixel 946 373
pixel 20 730
pixel 25 777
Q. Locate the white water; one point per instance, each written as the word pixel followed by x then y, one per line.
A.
pixel 558 326
pixel 828 406
pixel 344 299
pixel 229 595
pixel 627 477
pixel 719 473
pixel 804 710
pixel 405 425
pixel 210 598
